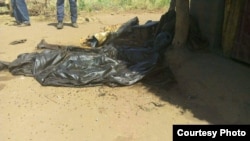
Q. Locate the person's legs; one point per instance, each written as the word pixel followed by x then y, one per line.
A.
pixel 60 10
pixel 73 10
pixel 15 11
pixel 22 10
pixel 60 13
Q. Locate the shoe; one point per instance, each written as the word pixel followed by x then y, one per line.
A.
pixel 25 23
pixel 75 25
pixel 18 22
pixel 59 25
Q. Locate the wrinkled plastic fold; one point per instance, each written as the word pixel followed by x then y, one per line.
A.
pixel 126 57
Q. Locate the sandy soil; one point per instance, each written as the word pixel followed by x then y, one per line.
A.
pixel 209 90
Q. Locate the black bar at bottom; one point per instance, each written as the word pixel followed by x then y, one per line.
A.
pixel 211 132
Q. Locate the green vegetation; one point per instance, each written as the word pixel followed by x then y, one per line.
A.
pixel 93 5
pixel 98 5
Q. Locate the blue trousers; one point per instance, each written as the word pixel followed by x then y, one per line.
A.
pixel 20 10
pixel 60 10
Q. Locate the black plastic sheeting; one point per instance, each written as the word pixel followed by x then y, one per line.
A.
pixel 127 57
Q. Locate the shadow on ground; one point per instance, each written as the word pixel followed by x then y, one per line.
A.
pixel 4 13
pixel 213 88
pixel 64 24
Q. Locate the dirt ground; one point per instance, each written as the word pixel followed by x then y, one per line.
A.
pixel 210 90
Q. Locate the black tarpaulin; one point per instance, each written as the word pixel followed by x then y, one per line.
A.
pixel 127 57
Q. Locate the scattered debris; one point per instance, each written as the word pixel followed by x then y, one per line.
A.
pixel 151 106
pixel 18 41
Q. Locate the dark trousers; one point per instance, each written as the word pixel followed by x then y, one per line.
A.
pixel 60 10
pixel 20 10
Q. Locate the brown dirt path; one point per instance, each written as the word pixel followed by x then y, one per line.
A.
pixel 31 112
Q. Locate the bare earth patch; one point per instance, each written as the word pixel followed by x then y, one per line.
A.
pixel 31 112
